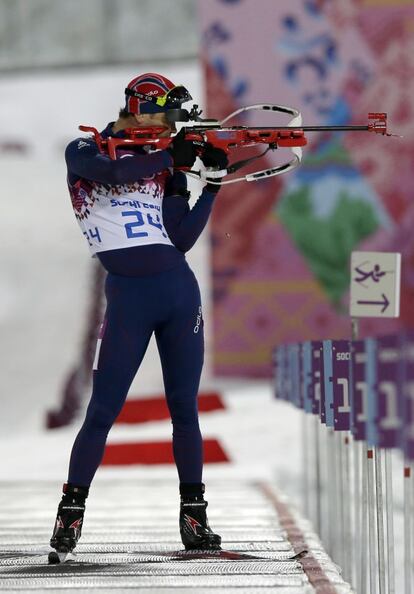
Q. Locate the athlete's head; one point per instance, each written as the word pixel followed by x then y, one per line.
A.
pixel 153 100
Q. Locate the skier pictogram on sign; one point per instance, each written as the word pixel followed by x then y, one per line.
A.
pixel 375 284
pixel 363 275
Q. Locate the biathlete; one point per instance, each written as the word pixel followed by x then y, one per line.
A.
pixel 135 216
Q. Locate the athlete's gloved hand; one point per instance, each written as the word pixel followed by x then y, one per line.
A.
pixel 176 185
pixel 183 151
pixel 216 158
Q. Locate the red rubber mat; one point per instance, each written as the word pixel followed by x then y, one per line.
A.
pixel 156 452
pixel 155 409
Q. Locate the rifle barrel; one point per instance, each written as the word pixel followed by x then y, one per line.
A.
pixel 311 128
pixel 304 128
pixel 325 128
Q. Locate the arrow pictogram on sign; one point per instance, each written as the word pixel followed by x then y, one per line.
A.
pixel 385 303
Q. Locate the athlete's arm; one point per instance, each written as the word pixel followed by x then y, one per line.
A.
pixel 184 226
pixel 84 159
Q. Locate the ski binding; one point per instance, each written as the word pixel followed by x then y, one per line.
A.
pixel 56 557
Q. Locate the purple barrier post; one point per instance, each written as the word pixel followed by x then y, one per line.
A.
pixel 342 423
pixel 388 410
pixel 300 402
pixel 316 389
pixel 340 418
pixel 333 481
pixel 328 383
pixel 307 443
pixel 294 374
pixel 358 390
pixel 340 379
pixel 407 380
pixel 306 377
pixel 280 368
pixel 408 448
pixel 384 430
pixel 322 411
pixel 390 415
pixel 372 397
pixel 359 402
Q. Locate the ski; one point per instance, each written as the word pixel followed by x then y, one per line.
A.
pixel 190 555
pixel 55 558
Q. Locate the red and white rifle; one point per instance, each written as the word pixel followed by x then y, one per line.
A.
pixel 228 138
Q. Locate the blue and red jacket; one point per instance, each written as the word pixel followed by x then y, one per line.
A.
pixel 129 202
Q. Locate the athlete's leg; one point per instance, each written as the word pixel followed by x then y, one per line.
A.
pixel 180 343
pixel 126 333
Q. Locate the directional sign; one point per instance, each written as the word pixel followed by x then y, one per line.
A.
pixel 375 284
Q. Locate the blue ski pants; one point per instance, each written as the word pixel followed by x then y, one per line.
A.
pixel 169 305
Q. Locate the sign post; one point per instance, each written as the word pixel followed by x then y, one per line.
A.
pixel 375 292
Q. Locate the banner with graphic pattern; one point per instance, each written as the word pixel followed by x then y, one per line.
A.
pixel 281 246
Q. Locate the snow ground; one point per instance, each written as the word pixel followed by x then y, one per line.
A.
pixel 262 437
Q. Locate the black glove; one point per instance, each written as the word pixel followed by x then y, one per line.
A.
pixel 183 151
pixel 214 157
pixel 176 185
pixel 217 158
